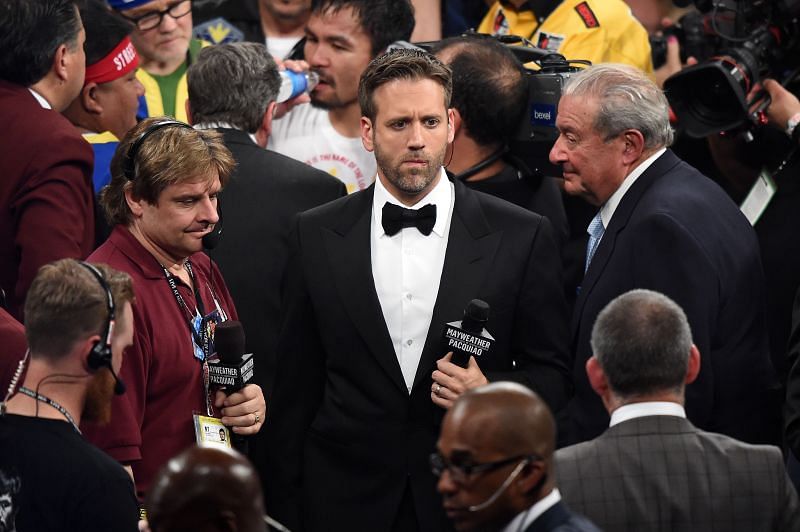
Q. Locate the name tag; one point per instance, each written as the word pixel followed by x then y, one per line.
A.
pixel 759 197
pixel 210 432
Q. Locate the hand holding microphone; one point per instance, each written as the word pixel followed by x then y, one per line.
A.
pixel 467 340
pixel 242 405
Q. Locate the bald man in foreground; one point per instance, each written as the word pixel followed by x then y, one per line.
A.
pixel 494 463
pixel 207 489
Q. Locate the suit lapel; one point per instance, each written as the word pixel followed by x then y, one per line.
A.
pixel 619 220
pixel 348 246
pixel 471 246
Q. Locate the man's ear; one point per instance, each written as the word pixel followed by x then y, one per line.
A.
pixel 530 476
pixel 188 106
pixel 61 62
pixel 634 145
pixel 135 205
pixel 597 377
pixel 265 129
pixel 693 367
pixel 456 122
pixel 88 97
pixel 451 126
pixel 366 133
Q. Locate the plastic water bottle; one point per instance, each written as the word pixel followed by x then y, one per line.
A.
pixel 295 83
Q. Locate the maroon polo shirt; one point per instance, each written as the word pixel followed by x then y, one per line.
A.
pixel 152 421
pixel 12 340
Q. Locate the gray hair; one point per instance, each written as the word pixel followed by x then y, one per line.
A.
pixel 233 83
pixel 627 99
pixel 642 341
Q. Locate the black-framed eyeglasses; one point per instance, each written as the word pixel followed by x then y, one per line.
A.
pixel 152 19
pixel 460 473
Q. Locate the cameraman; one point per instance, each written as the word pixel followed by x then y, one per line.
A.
pixel 489 95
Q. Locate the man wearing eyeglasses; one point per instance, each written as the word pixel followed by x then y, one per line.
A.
pixel 494 463
pixel 163 39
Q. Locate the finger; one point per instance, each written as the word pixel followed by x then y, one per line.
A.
pixel 242 410
pixel 219 399
pixel 691 61
pixel 439 401
pixel 673 53
pixel 448 381
pixel 248 393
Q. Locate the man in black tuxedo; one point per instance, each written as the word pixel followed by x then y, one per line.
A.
pixel 664 226
pixel 363 379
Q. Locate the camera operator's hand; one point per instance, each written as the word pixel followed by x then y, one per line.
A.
pixel 673 63
pixel 784 104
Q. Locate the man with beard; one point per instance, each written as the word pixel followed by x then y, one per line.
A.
pixel 363 378
pixel 78 323
pixel 342 36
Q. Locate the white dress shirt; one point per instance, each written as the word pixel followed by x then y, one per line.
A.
pixel 407 268
pixel 41 99
pixel 524 519
pixel 608 208
pixel 647 408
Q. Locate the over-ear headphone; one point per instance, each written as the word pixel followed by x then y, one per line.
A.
pixel 100 354
pixel 129 163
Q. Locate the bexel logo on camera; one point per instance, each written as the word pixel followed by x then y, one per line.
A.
pixel 543 114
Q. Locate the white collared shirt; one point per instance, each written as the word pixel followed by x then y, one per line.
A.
pixel 607 210
pixel 221 125
pixel 647 408
pixel 524 519
pixel 407 268
pixel 41 99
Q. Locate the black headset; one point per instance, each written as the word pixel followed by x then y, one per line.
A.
pixel 129 163
pixel 100 355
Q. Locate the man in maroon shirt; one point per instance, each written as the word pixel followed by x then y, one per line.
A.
pixel 46 199
pixel 162 201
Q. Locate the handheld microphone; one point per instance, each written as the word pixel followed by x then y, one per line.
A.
pixel 469 337
pixel 233 369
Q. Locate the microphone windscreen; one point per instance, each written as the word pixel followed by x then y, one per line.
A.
pixel 210 240
pixel 229 341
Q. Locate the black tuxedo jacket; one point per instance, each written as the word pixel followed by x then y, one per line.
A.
pixel 676 232
pixel 346 438
pixel 559 518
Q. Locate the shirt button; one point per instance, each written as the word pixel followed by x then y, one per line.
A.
pixel 409 296
pixel 409 342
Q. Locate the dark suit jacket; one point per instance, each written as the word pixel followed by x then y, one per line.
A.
pixel 676 232
pixel 46 195
pixel 559 518
pixel 257 207
pixel 346 437
pixel 661 473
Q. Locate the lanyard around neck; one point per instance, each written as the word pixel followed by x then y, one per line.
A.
pixel 44 399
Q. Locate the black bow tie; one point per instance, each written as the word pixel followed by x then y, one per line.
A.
pixel 396 217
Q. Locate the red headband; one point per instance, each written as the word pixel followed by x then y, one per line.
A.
pixel 117 63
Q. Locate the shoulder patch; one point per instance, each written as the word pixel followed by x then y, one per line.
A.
pixel 587 15
pixel 549 41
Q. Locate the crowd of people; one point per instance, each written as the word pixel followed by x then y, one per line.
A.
pixel 157 194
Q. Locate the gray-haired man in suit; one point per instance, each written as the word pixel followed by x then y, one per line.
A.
pixel 652 469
